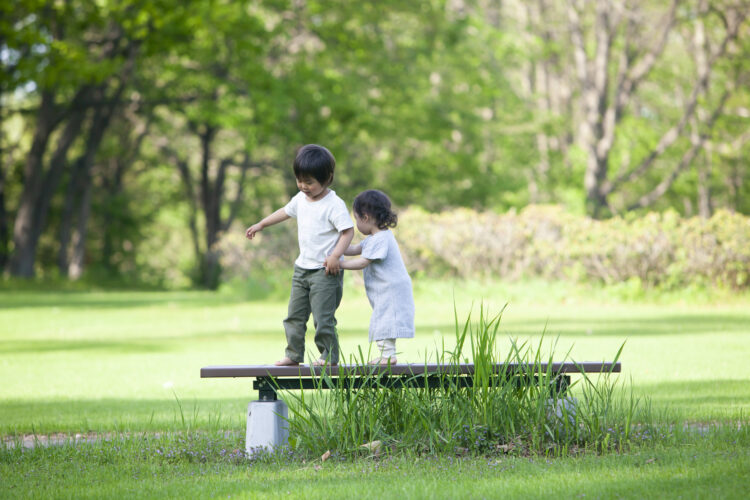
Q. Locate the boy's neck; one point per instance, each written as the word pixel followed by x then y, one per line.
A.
pixel 319 196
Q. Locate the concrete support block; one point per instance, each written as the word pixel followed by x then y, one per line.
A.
pixel 267 426
pixel 560 410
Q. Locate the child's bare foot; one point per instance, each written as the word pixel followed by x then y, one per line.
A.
pixel 384 361
pixel 286 362
pixel 322 362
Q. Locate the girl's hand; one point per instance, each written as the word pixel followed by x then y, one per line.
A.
pixel 252 230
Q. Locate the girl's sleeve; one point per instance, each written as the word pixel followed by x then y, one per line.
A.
pixel 374 248
pixel 291 207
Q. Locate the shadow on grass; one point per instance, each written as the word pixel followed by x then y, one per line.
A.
pixel 48 346
pixel 146 343
pixel 18 416
pixel 719 394
pixel 613 477
pixel 113 300
pixel 668 324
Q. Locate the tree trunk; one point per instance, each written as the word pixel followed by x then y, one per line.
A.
pixel 187 181
pixel 4 234
pixel 112 189
pixel 40 185
pixel 4 229
pixel 211 201
pixel 76 267
pixel 210 197
pixel 25 232
pixel 66 218
pixel 705 208
pixel 597 205
pixel 596 132
pixel 734 182
pixel 78 195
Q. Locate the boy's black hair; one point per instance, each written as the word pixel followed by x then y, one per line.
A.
pixel 316 162
pixel 377 205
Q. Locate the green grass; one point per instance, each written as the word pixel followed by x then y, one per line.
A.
pixel 499 411
pixel 116 360
pixel 700 467
pixel 124 362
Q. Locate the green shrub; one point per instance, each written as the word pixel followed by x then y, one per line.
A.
pixel 656 249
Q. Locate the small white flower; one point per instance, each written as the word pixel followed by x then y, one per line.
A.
pixel 168 384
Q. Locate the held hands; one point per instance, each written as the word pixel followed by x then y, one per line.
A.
pixel 333 265
pixel 252 230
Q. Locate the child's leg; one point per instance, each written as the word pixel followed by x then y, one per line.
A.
pixel 387 347
pixel 295 324
pixel 325 296
pixel 387 351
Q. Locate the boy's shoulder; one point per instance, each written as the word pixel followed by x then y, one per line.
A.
pixel 332 195
pixel 296 198
pixel 333 199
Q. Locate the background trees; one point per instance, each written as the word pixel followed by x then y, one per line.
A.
pixel 134 133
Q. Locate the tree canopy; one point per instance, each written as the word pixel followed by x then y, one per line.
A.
pixel 132 128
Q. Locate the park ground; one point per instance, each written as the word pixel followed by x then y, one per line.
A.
pixel 126 364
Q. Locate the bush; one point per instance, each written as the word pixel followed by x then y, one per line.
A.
pixel 657 249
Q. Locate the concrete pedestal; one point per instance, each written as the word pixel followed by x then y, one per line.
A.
pixel 560 410
pixel 267 426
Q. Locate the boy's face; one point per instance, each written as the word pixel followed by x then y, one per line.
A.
pixel 312 188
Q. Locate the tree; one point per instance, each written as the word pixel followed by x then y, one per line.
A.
pixel 607 66
pixel 217 80
pixel 74 65
pixel 627 46
pixel 413 103
pixel 701 110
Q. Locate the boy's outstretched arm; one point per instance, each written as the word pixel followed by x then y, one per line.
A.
pixel 332 264
pixel 278 216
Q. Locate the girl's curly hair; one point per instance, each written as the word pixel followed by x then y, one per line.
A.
pixel 377 205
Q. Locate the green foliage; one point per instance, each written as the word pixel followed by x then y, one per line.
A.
pixel 510 412
pixel 439 103
pixel 658 249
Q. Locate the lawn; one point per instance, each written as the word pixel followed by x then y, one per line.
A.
pixel 710 470
pixel 120 362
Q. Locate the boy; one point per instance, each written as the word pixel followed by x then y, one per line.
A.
pixel 324 230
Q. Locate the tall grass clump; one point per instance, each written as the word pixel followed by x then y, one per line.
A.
pixel 515 404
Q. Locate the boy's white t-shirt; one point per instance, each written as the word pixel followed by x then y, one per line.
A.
pixel 318 226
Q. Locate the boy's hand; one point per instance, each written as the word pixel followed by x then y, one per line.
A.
pixel 332 265
pixel 255 228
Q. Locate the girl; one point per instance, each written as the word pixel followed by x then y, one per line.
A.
pixel 387 283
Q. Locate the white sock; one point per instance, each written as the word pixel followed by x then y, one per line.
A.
pixel 387 347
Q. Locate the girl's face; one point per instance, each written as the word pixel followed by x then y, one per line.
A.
pixel 365 224
pixel 312 188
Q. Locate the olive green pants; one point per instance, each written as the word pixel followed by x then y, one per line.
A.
pixel 313 291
